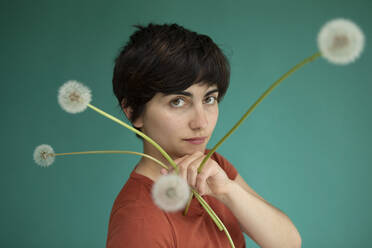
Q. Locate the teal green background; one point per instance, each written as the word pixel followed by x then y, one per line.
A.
pixel 306 149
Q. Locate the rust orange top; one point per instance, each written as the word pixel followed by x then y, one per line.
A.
pixel 135 220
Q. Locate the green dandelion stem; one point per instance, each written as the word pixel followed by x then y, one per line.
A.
pixel 188 205
pixel 147 138
pixel 205 205
pixel 267 92
pixel 115 152
pixel 209 210
pixel 215 218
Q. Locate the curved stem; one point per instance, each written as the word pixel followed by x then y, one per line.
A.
pixel 147 138
pixel 216 220
pixel 205 205
pixel 113 152
pixel 210 211
pixel 188 205
pixel 267 92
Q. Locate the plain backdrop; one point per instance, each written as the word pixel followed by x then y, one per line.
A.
pixel 306 149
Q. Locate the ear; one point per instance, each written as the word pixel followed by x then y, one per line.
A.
pixel 138 123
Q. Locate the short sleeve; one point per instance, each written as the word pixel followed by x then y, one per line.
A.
pixel 132 230
pixel 229 169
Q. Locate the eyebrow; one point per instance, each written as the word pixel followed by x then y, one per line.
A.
pixel 185 93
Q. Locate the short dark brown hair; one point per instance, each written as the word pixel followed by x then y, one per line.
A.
pixel 167 59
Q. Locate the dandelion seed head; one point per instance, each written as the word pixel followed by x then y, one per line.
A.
pixel 44 155
pixel 340 41
pixel 170 192
pixel 74 97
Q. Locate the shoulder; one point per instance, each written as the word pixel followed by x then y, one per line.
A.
pixel 135 196
pixel 136 222
pixel 134 226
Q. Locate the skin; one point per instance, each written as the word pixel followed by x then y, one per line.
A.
pixel 169 119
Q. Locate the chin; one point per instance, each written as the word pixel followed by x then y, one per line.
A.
pixel 197 149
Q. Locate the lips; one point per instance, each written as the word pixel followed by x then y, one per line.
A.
pixel 196 140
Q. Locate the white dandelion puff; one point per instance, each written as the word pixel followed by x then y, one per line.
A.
pixel 44 155
pixel 340 41
pixel 170 192
pixel 74 97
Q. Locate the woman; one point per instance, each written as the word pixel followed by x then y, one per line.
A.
pixel 168 81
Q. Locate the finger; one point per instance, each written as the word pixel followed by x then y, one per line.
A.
pixel 180 159
pixel 201 181
pixel 170 167
pixel 192 171
pixel 184 164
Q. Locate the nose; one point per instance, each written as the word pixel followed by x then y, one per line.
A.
pixel 199 118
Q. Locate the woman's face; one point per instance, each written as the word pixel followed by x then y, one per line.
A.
pixel 174 120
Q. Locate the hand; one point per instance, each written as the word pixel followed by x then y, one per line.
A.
pixel 212 180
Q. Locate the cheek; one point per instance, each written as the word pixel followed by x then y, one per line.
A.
pixel 213 117
pixel 178 125
pixel 164 123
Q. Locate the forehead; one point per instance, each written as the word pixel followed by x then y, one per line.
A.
pixel 195 89
pixel 201 87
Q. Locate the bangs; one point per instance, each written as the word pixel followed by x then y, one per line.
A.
pixel 204 64
pixel 168 59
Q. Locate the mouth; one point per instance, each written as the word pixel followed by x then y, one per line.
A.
pixel 196 140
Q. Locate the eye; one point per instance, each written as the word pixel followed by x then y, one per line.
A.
pixel 178 102
pixel 211 100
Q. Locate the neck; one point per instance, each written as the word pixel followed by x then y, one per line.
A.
pixel 149 168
